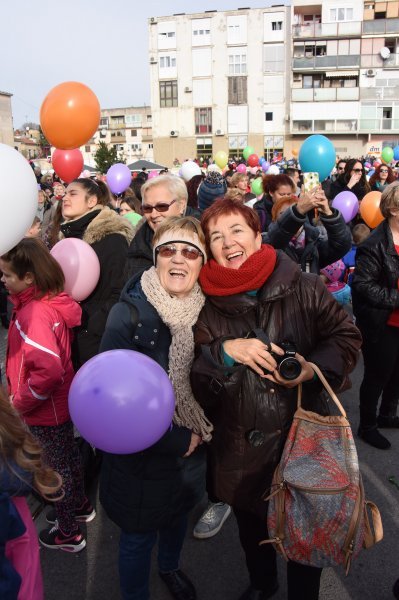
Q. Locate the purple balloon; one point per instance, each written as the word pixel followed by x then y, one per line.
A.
pixel 348 204
pixel 265 166
pixel 121 401
pixel 119 178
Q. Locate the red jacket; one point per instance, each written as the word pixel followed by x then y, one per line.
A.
pixel 39 368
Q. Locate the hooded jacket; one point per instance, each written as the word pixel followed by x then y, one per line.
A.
pixel 291 306
pixel 38 366
pixel 109 235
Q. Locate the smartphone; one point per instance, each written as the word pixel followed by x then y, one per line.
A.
pixel 310 181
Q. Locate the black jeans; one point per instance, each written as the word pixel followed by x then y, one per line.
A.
pixel 303 581
pixel 381 376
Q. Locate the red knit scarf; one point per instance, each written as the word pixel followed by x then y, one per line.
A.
pixel 216 280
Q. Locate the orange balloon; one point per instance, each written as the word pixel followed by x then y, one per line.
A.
pixel 294 152
pixel 69 115
pixel 370 209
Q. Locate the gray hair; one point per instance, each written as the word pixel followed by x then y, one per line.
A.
pixel 390 199
pixel 174 184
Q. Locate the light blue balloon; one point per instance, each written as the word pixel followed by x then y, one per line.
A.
pixel 317 154
pixel 262 160
pixel 396 153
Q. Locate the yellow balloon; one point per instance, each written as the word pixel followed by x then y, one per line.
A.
pixel 221 159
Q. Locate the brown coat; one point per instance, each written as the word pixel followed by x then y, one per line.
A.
pixel 290 306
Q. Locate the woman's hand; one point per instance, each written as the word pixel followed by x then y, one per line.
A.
pixel 354 180
pixel 196 440
pixel 308 200
pixel 322 203
pixel 306 374
pixel 253 353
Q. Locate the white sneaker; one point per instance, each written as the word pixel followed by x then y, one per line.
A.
pixel 212 520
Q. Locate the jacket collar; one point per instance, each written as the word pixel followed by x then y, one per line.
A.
pixel 24 297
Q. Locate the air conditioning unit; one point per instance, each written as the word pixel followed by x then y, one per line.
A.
pixel 188 90
pixel 371 73
pixel 174 133
pixel 219 132
pixel 153 21
pixel 153 60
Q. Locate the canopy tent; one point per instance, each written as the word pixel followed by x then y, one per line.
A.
pixel 91 169
pixel 139 165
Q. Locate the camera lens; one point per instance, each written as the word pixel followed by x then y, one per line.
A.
pixel 290 368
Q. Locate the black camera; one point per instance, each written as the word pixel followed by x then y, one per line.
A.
pixel 288 366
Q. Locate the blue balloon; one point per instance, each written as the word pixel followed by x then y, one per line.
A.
pixel 262 160
pixel 371 172
pixel 396 153
pixel 317 154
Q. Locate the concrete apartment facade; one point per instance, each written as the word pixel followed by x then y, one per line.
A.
pixel 270 77
pixel 6 129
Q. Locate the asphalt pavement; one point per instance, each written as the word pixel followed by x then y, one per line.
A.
pixel 217 566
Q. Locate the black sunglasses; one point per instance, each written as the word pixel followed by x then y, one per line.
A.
pixel 358 170
pixel 161 207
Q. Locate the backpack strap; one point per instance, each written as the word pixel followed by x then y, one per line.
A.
pixel 327 387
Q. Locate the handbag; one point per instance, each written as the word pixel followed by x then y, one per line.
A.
pixel 317 513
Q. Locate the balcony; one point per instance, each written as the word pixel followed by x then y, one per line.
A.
pixel 381 26
pixel 379 93
pixel 146 138
pixel 375 61
pixel 379 125
pixel 114 126
pixel 119 138
pixel 324 94
pixel 339 126
pixel 326 62
pixel 326 30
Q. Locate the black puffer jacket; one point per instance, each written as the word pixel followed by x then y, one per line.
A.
pixel 375 291
pixel 146 491
pixel 264 209
pixel 290 306
pixel 340 185
pixel 318 252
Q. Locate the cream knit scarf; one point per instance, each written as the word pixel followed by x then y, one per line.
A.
pixel 180 315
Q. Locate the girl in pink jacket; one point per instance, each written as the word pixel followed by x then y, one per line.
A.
pixel 39 373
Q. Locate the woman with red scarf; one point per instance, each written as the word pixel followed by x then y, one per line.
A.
pixel 258 300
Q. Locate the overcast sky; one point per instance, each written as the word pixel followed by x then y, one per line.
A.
pixel 102 43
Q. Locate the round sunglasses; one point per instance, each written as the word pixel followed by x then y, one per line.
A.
pixel 188 252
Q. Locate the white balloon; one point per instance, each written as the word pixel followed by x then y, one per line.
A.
pixel 273 170
pixel 214 167
pixel 189 169
pixel 18 197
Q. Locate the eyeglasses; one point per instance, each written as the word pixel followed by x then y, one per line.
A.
pixel 161 207
pixel 358 170
pixel 189 252
pixel 383 170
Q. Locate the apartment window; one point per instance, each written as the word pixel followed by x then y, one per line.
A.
pixel 238 90
pixel 168 93
pixel 311 81
pixel 118 133
pixel 268 116
pixel 118 120
pixel 201 32
pixel 87 148
pixel 341 14
pixel 150 146
pixel 237 64
pixel 203 120
pixel 273 57
pixel 119 147
pixel 136 147
pixel 168 34
pixel 149 118
pixel 133 119
pixel 204 148
pixel 165 62
pixel 277 25
pixel 273 146
pixel 104 122
pixel 133 132
pixel 237 143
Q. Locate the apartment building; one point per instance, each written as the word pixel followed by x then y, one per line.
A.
pixel 219 82
pixel 6 129
pixel 128 129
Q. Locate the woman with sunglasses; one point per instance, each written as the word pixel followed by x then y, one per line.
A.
pixel 382 177
pixel 149 494
pixel 162 197
pixel 353 179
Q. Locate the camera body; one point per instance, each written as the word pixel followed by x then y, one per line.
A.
pixel 288 366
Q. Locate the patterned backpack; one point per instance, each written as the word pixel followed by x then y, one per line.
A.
pixel 317 513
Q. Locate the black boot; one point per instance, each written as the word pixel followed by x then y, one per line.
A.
pixel 374 438
pixel 179 585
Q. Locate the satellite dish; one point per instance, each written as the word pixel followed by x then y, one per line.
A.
pixel 385 52
pixel 103 132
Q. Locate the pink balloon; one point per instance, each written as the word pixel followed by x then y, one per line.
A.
pixel 80 266
pixel 241 168
pixel 152 174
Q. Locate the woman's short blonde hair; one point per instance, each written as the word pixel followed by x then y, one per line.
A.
pixel 176 224
pixel 236 178
pixel 174 184
pixel 390 199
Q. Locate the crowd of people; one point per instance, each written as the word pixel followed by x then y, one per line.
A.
pixel 211 281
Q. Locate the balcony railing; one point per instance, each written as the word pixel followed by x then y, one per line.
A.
pixel 378 125
pixel 146 138
pixel 113 125
pixel 326 62
pixel 324 94
pixel 324 126
pixel 375 60
pixel 325 30
pixel 120 138
pixel 381 26
pixel 379 93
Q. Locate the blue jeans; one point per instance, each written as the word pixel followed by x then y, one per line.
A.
pixel 135 557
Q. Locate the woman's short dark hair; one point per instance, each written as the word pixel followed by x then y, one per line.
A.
pixel 224 207
pixel 133 202
pixel 271 183
pixel 95 188
pixel 32 256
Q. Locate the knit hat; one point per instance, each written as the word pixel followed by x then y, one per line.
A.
pixel 334 271
pixel 211 188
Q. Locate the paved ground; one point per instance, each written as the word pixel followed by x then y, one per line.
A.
pixel 217 567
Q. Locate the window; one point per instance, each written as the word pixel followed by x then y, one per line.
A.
pixel 87 148
pixel 133 119
pixel 149 118
pixel 277 25
pixel 341 14
pixel 201 31
pixel 237 143
pixel 168 34
pixel 273 58
pixel 273 146
pixel 150 146
pixel 118 133
pixel 165 62
pixel 268 116
pixel 203 120
pixel 119 147
pixel 204 148
pixel 167 93
pixel 136 147
pixel 104 122
pixel 238 90
pixel 133 132
pixel 118 120
pixel 237 64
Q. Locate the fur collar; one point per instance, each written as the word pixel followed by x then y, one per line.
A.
pixel 106 223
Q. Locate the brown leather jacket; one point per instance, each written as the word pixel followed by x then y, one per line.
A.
pixel 290 306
